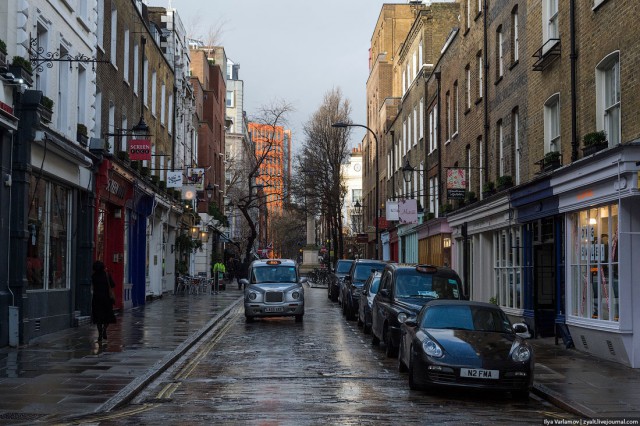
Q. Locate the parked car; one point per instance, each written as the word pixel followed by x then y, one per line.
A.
pixel 367 294
pixel 404 289
pixel 342 269
pixel 458 343
pixel 274 289
pixel 353 282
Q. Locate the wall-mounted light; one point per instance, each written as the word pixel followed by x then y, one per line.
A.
pixel 446 242
pixel 593 221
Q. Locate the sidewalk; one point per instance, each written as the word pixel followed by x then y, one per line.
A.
pixel 68 373
pixel 583 384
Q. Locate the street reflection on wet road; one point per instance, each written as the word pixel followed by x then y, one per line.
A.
pixel 321 371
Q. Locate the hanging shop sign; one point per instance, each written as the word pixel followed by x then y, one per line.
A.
pixel 392 210
pixel 195 177
pixel 174 179
pixel 408 211
pixel 140 149
pixel 456 184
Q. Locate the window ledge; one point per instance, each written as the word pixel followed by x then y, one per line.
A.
pixel 455 135
pixel 513 65
pixel 479 14
pixel 466 31
pixel 467 111
pixel 478 100
pixel 498 80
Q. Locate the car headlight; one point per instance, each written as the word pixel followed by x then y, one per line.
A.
pixel 252 296
pixel 402 317
pixel 521 353
pixel 431 348
pixel 295 295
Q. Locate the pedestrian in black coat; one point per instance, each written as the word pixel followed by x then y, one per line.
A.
pixel 102 303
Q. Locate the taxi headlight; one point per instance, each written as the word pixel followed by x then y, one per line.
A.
pixel 402 317
pixel 253 296
pixel 295 295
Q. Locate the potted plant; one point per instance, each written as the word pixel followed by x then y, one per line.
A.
pixel 551 160
pixel 162 184
pixel 430 215
pixel 488 189
pixel 445 208
pixel 135 165
pixel 155 179
pixel 46 109
pixel 21 68
pixel 594 142
pixel 503 182
pixel 82 135
pixel 145 171
pixel 470 197
pixel 124 156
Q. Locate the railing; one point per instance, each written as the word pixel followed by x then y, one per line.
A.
pixel 549 52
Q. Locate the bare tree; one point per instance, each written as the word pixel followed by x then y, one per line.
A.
pixel 320 161
pixel 243 190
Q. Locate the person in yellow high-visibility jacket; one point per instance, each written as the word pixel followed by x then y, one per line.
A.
pixel 218 275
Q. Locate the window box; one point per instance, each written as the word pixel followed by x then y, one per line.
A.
pixel 504 182
pixel 82 135
pixel 551 161
pixel 488 189
pixel 594 142
pixel 21 68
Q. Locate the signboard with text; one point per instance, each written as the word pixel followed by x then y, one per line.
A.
pixel 140 149
pixel 174 179
pixel 408 211
pixel 195 176
pixel 456 184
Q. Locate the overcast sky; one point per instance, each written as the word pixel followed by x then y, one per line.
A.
pixel 293 51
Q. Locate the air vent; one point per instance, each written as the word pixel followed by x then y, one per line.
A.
pixel 584 342
pixel 36 325
pixel 610 346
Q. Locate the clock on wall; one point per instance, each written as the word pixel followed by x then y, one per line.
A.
pixel 357 167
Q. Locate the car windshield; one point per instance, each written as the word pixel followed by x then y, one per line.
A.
pixel 411 283
pixel 363 271
pixel 274 274
pixel 474 318
pixel 343 267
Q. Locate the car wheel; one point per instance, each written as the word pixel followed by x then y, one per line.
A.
pixel 390 350
pixel 413 385
pixel 299 318
pixel 402 367
pixel 374 339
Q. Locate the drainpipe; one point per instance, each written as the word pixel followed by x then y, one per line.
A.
pixel 485 87
pixel 438 80
pixel 573 56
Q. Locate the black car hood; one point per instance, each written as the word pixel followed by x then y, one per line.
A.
pixel 412 304
pixel 466 345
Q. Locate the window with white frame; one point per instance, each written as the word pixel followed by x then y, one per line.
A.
pixel 415 125
pixel 136 68
pixel 467 87
pixel 145 84
pixel 421 113
pixel 49 242
pixel 447 120
pixel 468 10
pixel 500 137
pixel 608 97
pixel 97 129
pixel 552 123
pixel 420 59
pixel 112 125
pixel 81 101
pixel 100 23
pixel 62 110
pixel 114 33
pixel 550 19
pixel 456 108
pixel 515 43
pixel 594 263
pixel 515 120
pixel 507 268
pixel 480 6
pixel 405 136
pixel 124 124
pixel 170 114
pixel 433 195
pixel 480 75
pixel 480 164
pixel 154 92
pixel 433 129
pixel 125 70
pixel 500 52
pixel 230 99
pixel 43 44
pixel 469 166
pixel 163 105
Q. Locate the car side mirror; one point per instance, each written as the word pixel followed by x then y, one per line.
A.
pixel 347 277
pixel 244 281
pixel 384 293
pixel 522 330
pixel 303 280
pixel 411 322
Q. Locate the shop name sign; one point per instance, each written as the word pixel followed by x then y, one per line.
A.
pixel 589 249
pixel 115 188
pixel 140 149
pixel 456 184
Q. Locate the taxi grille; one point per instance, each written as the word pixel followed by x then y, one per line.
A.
pixel 273 296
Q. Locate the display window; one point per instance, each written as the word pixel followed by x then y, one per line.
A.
pixel 49 235
pixel 507 268
pixel 594 263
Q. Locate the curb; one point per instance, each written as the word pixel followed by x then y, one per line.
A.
pixel 129 392
pixel 567 405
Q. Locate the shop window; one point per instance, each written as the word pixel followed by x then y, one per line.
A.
pixel 594 263
pixel 49 237
pixel 508 268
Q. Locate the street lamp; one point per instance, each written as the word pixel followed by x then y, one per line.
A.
pixel 407 171
pixel 377 206
pixel 357 208
pixel 209 190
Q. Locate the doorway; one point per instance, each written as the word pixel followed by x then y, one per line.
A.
pixel 544 289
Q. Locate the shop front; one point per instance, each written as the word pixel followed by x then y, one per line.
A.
pixel 434 242
pixel 600 199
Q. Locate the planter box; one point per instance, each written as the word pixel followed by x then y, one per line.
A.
pixel 552 165
pixel 82 139
pixel 22 73
pixel 592 149
pixel 3 60
pixel 45 114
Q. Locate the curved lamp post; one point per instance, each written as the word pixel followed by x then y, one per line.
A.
pixel 377 206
